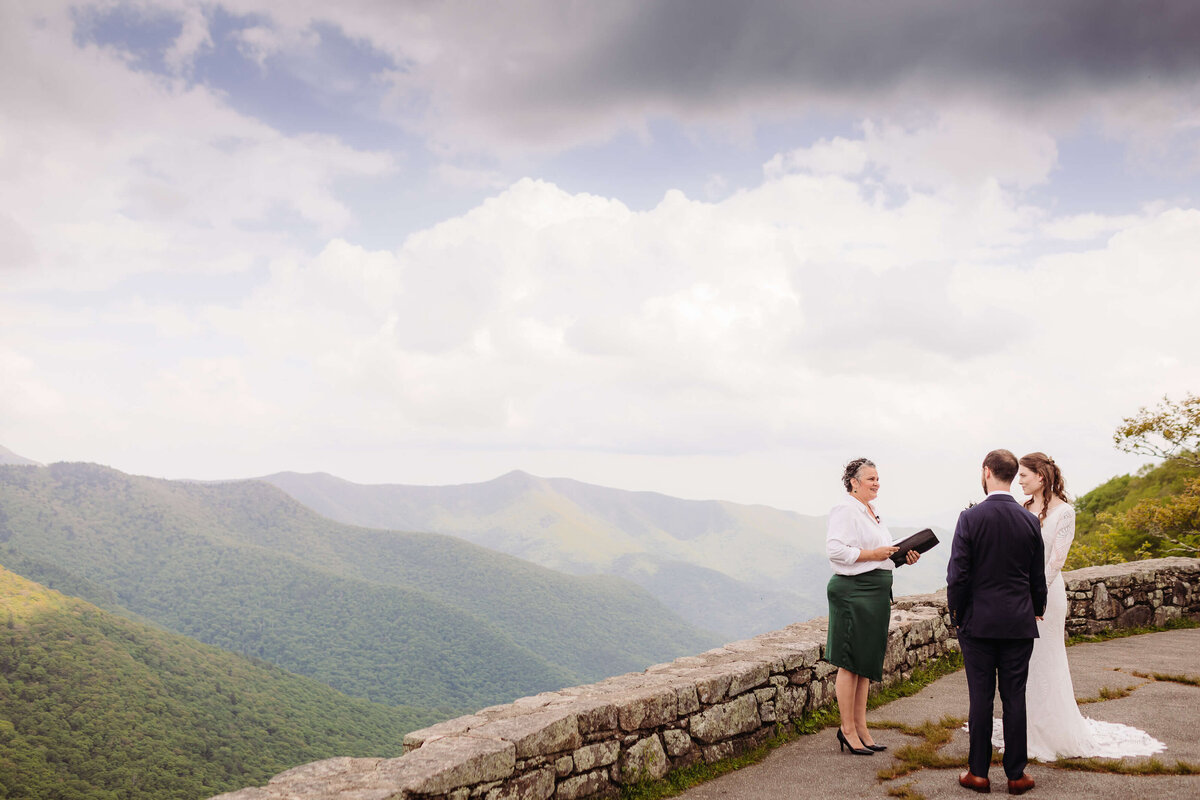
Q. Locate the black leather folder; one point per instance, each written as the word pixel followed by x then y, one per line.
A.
pixel 920 541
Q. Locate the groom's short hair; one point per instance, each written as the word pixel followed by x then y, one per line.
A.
pixel 1002 463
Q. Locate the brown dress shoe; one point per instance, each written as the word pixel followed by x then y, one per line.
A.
pixel 1021 785
pixel 975 783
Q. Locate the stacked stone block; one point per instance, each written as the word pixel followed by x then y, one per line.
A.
pixel 1141 593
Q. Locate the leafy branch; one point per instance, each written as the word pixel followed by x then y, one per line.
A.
pixel 1170 430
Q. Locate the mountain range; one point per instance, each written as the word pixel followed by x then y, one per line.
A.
pixel 735 569
pixel 414 619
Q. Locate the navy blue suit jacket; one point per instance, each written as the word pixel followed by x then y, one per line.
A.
pixel 995 582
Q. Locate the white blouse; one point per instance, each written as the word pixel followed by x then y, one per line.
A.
pixel 852 529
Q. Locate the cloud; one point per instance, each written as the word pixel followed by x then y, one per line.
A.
pixel 567 321
pixel 108 172
pixel 535 76
pixel 960 148
pixel 1082 227
pixel 193 37
pixel 802 315
pixel 808 304
pixel 584 73
pixel 837 156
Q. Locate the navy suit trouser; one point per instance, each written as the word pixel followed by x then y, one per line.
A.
pixel 990 663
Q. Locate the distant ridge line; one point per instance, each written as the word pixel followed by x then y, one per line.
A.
pixel 9 458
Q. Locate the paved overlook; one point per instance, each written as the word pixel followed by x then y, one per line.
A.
pixel 812 767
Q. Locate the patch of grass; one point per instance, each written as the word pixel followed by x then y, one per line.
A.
pixel 1151 767
pixel 1107 694
pixel 922 676
pixel 1121 633
pixel 925 754
pixel 818 720
pixel 681 780
pixel 1159 676
pixel 905 792
pixel 937 733
pixel 911 758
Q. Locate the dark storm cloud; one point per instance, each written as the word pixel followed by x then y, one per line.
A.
pixel 548 68
pixel 711 47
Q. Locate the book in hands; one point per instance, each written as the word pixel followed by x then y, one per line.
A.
pixel 920 541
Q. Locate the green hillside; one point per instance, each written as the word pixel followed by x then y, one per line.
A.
pixel 399 618
pixel 1102 532
pixel 97 707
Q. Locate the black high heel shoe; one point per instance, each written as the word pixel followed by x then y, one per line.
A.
pixel 843 744
pixel 878 748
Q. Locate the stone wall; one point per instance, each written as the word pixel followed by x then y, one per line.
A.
pixel 586 741
pixel 1131 595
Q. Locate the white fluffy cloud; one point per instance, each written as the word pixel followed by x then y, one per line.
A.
pixel 108 172
pixel 567 321
pixel 961 149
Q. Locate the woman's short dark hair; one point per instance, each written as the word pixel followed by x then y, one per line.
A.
pixel 854 468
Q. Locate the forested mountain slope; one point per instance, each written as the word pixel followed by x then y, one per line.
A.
pixel 737 569
pixel 94 706
pixel 394 617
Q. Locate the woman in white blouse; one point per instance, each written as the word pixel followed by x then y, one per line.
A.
pixel 860 591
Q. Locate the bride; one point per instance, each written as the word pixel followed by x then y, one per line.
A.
pixel 1056 728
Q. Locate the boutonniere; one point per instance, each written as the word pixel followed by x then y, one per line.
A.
pixel 971 504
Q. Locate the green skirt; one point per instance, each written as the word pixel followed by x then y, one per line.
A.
pixel 859 607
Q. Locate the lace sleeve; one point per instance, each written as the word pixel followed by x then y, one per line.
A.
pixel 1060 544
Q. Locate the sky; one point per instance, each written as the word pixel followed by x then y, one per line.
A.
pixel 703 248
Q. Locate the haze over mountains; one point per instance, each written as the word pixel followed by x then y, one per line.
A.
pixel 9 457
pixel 401 618
pixel 736 569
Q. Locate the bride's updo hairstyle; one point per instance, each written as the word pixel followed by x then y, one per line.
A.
pixel 1052 480
pixel 853 469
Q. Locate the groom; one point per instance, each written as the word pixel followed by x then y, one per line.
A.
pixel 996 591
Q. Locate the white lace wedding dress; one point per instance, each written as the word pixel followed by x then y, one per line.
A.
pixel 1056 728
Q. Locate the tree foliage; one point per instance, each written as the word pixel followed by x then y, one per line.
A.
pixel 97 707
pixel 1157 511
pixel 1173 521
pixel 1170 430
